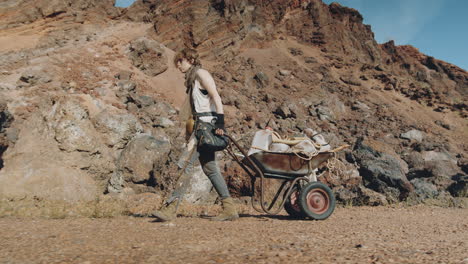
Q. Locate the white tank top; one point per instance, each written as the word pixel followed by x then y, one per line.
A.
pixel 202 102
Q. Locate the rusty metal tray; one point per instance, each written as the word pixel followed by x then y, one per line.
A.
pixel 278 164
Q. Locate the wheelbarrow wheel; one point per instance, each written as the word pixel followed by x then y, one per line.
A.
pixel 317 201
pixel 292 205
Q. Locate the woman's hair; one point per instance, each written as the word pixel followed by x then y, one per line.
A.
pixel 189 54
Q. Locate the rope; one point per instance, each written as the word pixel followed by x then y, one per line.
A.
pixel 335 167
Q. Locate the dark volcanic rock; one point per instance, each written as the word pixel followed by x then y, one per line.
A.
pixel 460 187
pixel 381 172
pixel 5 121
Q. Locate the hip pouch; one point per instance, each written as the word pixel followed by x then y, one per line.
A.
pixel 207 139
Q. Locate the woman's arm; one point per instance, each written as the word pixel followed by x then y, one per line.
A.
pixel 208 83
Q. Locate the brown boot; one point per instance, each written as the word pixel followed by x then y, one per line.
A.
pixel 229 212
pixel 167 212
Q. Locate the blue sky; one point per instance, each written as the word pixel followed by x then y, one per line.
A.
pixel 438 28
pixel 124 3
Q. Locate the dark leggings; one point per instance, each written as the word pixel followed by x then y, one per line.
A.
pixel 211 169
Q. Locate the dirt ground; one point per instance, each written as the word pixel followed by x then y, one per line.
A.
pixel 419 234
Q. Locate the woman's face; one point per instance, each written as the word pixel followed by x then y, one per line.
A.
pixel 183 65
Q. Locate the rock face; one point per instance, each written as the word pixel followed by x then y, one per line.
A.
pixel 22 12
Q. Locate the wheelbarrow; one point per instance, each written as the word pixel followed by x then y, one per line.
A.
pixel 303 195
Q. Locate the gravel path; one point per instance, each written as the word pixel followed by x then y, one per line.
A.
pixel 351 235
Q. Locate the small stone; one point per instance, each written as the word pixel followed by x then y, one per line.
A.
pixel 310 60
pixel 413 135
pixel 124 75
pixel 165 122
pixel 284 72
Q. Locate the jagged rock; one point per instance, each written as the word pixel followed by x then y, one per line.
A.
pixel 296 51
pixel 413 135
pixel 5 121
pixel 443 124
pixel 124 75
pixel 148 56
pixel 310 60
pixel 159 109
pixel 142 100
pixel 360 106
pixel 72 128
pixel 359 195
pixel 137 160
pixel 381 172
pixel 163 122
pixel 424 188
pixel 324 113
pixel 117 128
pixel 73 135
pixel 5 116
pixel 351 80
pixel 34 76
pixel 369 197
pixel 286 110
pixel 261 79
pixel 460 187
pixel 127 86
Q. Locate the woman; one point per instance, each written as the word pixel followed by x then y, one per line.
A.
pixel 205 106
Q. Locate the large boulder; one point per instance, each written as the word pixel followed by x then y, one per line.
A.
pixel 73 130
pixel 382 172
pixel 35 167
pixel 148 56
pixel 437 167
pixel 140 162
pixel 424 188
pixel 460 187
pixel 116 128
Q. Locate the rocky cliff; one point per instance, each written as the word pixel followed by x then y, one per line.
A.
pixel 91 97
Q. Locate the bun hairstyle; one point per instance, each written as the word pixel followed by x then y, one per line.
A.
pixel 189 54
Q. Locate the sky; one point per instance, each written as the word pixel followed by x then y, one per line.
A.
pixel 438 28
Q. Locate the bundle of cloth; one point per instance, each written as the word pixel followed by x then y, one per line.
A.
pixel 268 140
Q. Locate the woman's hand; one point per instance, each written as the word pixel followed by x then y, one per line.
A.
pixel 219 132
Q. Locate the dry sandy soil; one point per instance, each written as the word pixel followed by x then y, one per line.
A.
pixel 420 234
